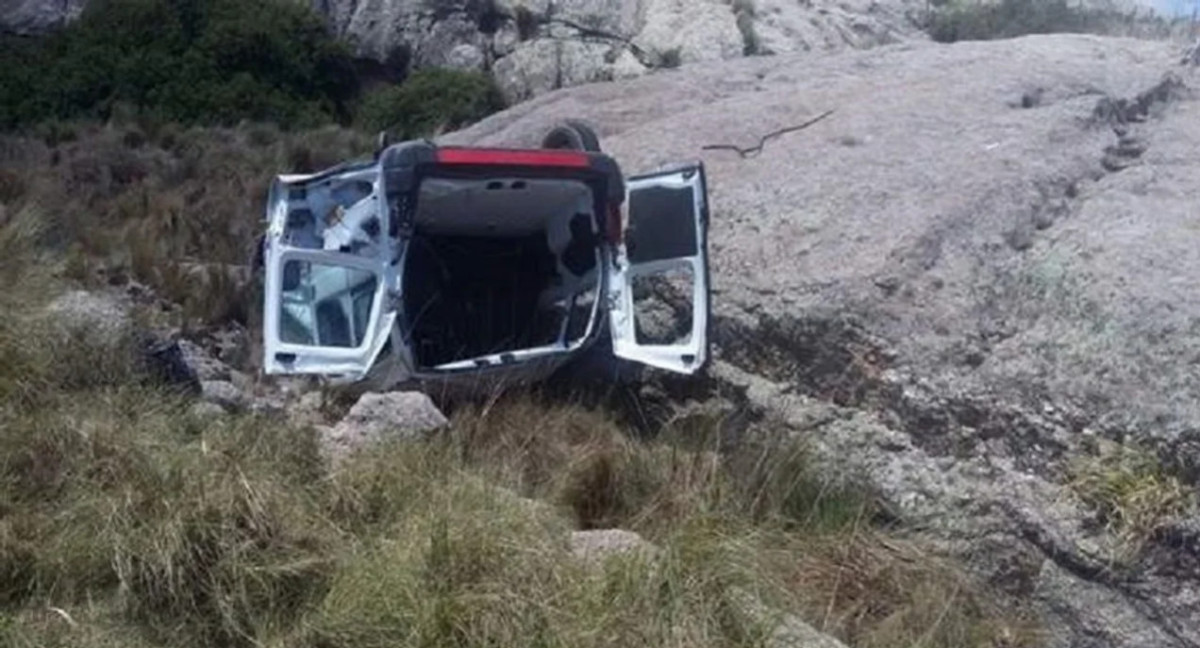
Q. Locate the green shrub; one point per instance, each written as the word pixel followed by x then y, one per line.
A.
pixel 191 61
pixel 429 101
pixel 974 20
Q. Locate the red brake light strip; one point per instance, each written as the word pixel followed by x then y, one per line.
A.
pixel 512 158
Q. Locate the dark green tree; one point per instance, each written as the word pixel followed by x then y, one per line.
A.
pixel 430 99
pixel 191 61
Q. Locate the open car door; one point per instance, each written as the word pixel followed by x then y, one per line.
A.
pixel 658 296
pixel 327 307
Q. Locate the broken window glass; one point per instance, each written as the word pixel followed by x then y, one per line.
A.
pixel 326 305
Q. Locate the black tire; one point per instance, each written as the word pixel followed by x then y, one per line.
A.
pixel 572 135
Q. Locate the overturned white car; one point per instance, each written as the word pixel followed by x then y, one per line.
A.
pixel 443 264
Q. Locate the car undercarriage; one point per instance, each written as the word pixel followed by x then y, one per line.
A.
pixel 450 261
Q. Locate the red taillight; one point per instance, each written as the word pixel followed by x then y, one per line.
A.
pixel 512 157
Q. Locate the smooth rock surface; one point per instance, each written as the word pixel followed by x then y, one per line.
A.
pixel 920 177
pixel 945 286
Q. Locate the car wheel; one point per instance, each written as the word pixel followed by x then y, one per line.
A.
pixel 572 135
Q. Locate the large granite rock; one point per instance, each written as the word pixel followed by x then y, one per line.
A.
pixel 976 266
pixel 377 418
pixel 689 31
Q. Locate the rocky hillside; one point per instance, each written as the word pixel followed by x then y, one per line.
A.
pixel 533 46
pixel 538 45
pixel 968 278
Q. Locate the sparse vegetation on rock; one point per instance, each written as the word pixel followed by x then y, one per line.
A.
pixel 1134 495
pixel 956 20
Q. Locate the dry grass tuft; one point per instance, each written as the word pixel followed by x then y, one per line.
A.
pixel 1133 494
pixel 177 209
pixel 126 520
pixel 201 533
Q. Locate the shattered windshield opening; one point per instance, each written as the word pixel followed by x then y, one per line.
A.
pixel 325 305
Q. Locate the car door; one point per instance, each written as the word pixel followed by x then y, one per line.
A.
pixel 325 311
pixel 658 288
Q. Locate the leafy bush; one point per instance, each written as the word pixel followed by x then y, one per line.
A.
pixel 191 61
pixel 430 100
pixel 975 20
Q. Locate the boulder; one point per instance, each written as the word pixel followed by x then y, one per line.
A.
pixel 377 30
pixel 234 346
pixel 626 66
pixel 689 31
pixel 539 66
pixel 780 26
pixel 379 417
pixel 101 327
pixel 202 363
pixel 206 411
pixel 101 321
pixel 454 41
pixel 224 394
pixel 620 18
pixel 782 629
pixel 165 362
pixel 597 545
pixel 465 57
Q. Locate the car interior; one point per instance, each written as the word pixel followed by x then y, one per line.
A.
pixel 498 265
